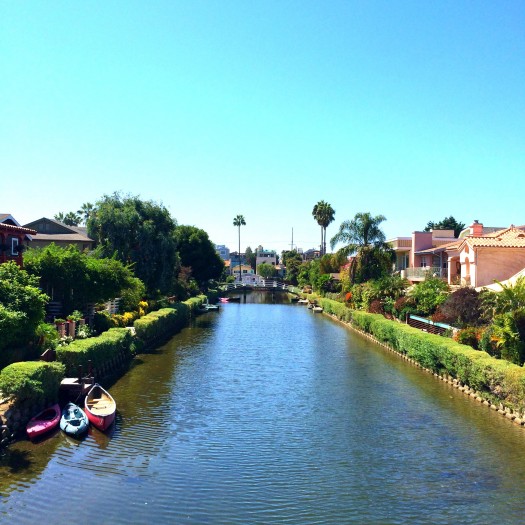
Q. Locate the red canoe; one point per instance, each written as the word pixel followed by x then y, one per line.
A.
pixel 100 407
pixel 44 421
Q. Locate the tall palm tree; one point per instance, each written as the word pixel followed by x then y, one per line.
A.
pixel 324 214
pixel 239 221
pixel 364 238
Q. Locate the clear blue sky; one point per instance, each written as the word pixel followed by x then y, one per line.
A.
pixel 410 109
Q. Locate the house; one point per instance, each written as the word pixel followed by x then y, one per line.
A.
pixel 246 271
pixel 51 231
pixel 495 256
pixel 13 239
pixel 223 251
pixel 478 257
pixel 263 256
pixel 422 253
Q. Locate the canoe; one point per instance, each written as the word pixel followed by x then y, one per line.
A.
pixel 74 420
pixel 100 407
pixel 43 422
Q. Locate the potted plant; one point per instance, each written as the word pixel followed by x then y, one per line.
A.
pixel 61 326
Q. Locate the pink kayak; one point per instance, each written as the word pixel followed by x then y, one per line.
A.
pixel 44 421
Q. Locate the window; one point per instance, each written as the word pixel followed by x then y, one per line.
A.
pixel 423 261
pixel 14 246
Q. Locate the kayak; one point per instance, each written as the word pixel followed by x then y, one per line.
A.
pixel 43 422
pixel 74 420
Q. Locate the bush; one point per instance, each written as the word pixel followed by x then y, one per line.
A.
pixel 35 380
pixel 469 336
pixel 161 324
pixel 99 350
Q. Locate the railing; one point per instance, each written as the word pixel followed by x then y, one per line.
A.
pixel 423 272
pixel 263 283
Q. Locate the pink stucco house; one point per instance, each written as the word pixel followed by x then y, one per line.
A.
pixel 478 257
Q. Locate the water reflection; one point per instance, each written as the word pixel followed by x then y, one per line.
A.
pixel 265 413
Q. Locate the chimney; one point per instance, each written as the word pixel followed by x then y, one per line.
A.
pixel 476 229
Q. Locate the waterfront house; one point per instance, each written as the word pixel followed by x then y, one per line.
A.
pixel 14 238
pixel 51 231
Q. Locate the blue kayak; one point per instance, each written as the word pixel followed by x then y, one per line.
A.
pixel 74 421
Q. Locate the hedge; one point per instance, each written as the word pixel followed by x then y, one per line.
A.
pixel 99 350
pixel 162 324
pixel 35 380
pixel 496 380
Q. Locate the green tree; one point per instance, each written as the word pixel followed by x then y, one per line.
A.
pixel 364 239
pixel 76 278
pixel 429 294
pixel 250 257
pixel 138 233
pixel 448 223
pixel 266 271
pixel 239 221
pixel 85 212
pixel 22 307
pixel 293 261
pixel 197 252
pixel 324 215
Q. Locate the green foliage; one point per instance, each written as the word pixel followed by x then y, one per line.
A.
pixel 101 321
pixel 22 307
pixel 161 324
pixel 293 261
pixel 76 278
pixel 429 294
pixel 197 252
pixel 324 215
pixel 99 350
pixel 141 233
pixel 469 336
pixel 266 271
pixel 35 380
pixel 448 223
pixel 364 239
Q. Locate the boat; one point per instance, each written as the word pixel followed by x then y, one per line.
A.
pixel 74 421
pixel 302 301
pixel 223 299
pixel 100 407
pixel 212 307
pixel 317 309
pixel 234 299
pixel 43 422
pixel 294 299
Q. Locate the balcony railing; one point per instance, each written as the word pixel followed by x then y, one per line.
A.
pixel 426 271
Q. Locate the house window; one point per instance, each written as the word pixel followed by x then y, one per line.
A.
pixel 423 261
pixel 14 245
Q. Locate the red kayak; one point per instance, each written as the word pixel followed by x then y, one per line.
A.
pixel 44 421
pixel 100 407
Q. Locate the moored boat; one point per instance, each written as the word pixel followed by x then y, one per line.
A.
pixel 303 301
pixel 74 420
pixel 100 407
pixel 43 422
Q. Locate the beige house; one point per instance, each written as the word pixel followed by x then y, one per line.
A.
pixel 50 231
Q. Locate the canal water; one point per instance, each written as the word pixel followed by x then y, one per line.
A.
pixel 267 413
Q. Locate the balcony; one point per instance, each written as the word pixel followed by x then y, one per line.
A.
pixel 420 274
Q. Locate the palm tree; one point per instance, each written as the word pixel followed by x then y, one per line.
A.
pixel 239 221
pixel 85 211
pixel 364 238
pixel 324 214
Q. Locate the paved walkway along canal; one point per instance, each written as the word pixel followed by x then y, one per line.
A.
pixel 268 413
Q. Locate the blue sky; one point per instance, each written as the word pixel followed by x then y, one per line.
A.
pixel 413 110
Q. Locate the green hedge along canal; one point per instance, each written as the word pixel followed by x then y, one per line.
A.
pixel 269 413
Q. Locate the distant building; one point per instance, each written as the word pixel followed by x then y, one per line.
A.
pixel 263 256
pixel 223 251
